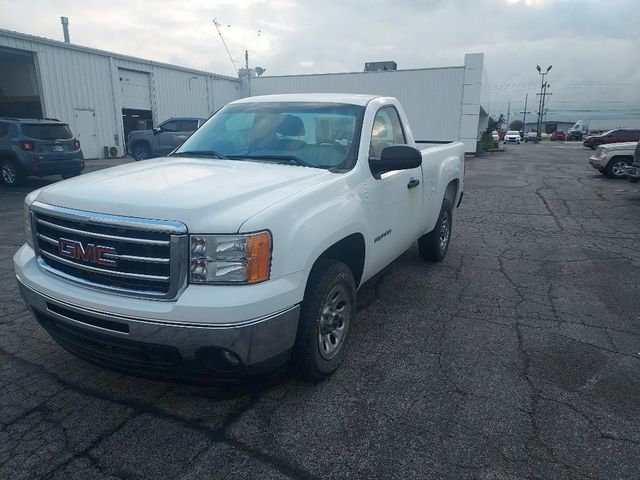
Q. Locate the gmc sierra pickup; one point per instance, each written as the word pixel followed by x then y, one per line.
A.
pixel 243 249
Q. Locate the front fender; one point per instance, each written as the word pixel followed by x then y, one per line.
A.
pixel 306 224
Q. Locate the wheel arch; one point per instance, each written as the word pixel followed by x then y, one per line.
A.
pixel 8 155
pixel 140 141
pixel 351 251
pixel 451 192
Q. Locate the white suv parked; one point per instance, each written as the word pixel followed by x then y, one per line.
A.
pixel 512 137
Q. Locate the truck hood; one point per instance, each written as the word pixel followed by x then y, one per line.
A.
pixel 208 195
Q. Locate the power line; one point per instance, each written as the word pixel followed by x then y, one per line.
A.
pixel 233 62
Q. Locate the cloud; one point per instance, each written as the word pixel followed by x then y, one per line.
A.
pixel 586 41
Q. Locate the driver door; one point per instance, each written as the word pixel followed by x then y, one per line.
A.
pixel 394 197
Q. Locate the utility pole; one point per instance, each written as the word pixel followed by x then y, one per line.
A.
pixel 524 114
pixel 508 113
pixel 246 69
pixel 542 112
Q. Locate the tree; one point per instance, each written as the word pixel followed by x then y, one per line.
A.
pixel 516 125
pixel 486 141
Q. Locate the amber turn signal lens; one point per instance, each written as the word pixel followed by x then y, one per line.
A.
pixel 258 257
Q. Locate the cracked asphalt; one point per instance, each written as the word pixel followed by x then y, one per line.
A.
pixel 517 357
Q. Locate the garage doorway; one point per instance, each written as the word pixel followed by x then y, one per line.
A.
pixel 133 119
pixel 19 91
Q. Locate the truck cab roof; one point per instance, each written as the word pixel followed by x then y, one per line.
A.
pixel 348 98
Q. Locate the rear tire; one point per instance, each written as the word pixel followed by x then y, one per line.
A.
pixel 11 174
pixel 433 246
pixel 328 310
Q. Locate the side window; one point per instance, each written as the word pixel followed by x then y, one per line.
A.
pixel 387 130
pixel 170 126
pixel 4 129
pixel 188 125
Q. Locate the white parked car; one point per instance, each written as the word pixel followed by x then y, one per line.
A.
pixel 512 136
pixel 495 135
pixel 245 247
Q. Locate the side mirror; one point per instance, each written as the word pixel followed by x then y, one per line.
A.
pixel 396 157
pixel 156 130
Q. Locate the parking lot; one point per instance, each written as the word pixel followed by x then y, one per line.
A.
pixel 517 357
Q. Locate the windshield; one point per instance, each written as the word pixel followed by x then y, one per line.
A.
pixel 511 132
pixel 45 131
pixel 322 135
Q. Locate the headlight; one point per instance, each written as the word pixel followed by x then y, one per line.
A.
pixel 602 153
pixel 230 259
pixel 27 225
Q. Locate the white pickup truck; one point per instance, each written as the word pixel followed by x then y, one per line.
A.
pixel 243 249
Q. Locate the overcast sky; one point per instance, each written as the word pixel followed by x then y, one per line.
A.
pixel 593 45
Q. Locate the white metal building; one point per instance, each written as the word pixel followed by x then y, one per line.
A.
pixel 94 90
pixel 448 103
pixel 103 95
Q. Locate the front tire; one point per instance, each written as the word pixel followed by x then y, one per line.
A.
pixel 328 310
pixel 141 151
pixel 433 246
pixel 11 173
pixel 615 168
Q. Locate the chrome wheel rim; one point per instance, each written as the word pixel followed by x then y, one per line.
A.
pixel 334 322
pixel 8 174
pixel 618 169
pixel 445 232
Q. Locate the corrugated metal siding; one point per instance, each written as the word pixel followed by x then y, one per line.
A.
pixel 432 98
pixel 72 78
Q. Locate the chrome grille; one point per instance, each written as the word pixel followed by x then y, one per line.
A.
pixel 127 255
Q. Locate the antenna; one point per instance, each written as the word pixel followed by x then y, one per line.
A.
pixel 233 62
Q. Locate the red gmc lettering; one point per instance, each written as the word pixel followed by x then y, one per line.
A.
pixel 90 253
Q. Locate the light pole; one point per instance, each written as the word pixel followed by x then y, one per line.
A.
pixel 542 95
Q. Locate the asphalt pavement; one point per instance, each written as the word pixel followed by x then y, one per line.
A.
pixel 517 357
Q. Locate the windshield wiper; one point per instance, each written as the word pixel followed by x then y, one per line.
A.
pixel 201 153
pixel 276 158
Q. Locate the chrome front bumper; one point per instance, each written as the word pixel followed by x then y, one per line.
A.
pixel 599 163
pixel 160 347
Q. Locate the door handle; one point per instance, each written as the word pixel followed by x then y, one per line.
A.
pixel 413 183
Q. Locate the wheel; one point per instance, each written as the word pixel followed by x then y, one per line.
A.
pixel 141 151
pixel 433 246
pixel 615 167
pixel 70 175
pixel 11 174
pixel 328 309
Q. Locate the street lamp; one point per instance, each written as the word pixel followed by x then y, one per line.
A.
pixel 543 93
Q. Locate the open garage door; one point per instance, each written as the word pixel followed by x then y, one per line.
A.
pixel 19 92
pixel 135 89
pixel 135 92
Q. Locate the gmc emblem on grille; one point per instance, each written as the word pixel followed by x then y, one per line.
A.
pixel 89 253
